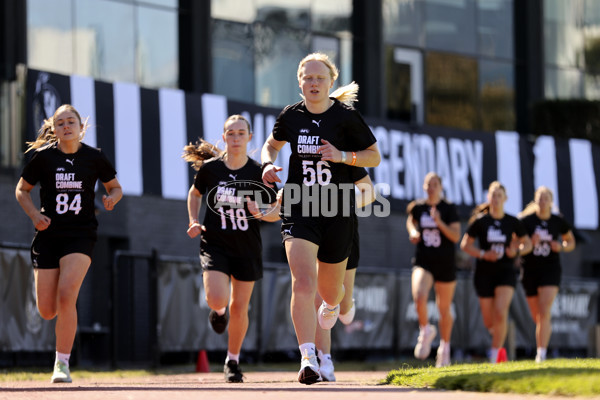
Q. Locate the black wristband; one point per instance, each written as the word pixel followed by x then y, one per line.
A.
pixel 265 165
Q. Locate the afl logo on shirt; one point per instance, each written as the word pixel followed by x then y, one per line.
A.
pixel 234 195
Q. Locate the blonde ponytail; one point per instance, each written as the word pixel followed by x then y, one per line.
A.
pixel 347 94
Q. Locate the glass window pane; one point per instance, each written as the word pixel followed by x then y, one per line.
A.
pixel 450 25
pixel 105 40
pixel 398 82
pixel 166 3
pixel 592 87
pixel 287 13
pixel 563 84
pixel 50 35
pixel 497 95
pixel 157 55
pixel 563 34
pixel 233 60
pixel 331 16
pixel 233 10
pixel 591 32
pixel 495 28
pixel 451 91
pixel 402 22
pixel 277 53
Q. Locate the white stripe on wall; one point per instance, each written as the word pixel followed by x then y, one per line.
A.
pixel 585 195
pixel 544 167
pixel 128 137
pixel 173 136
pixel 83 99
pixel 214 114
pixel 509 169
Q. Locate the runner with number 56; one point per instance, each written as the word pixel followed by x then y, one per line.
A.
pixel 327 137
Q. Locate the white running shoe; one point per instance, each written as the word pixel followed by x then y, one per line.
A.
pixel 442 358
pixel 539 358
pixel 347 318
pixel 61 373
pixel 309 369
pixel 328 316
pixel 326 369
pixel 426 336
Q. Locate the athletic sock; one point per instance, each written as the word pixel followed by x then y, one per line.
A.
pixel 234 357
pixel 307 347
pixel 221 311
pixel 541 351
pixel 63 357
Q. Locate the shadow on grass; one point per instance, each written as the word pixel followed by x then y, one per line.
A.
pixel 550 380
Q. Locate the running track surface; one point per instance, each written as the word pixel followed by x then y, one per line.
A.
pixel 257 386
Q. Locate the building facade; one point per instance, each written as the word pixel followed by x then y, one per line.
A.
pixel 437 68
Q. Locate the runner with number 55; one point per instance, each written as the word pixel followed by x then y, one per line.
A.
pixel 550 235
pixel 61 252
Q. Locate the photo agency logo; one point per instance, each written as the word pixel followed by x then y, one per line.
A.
pixel 240 201
pixel 332 200
pixel 231 199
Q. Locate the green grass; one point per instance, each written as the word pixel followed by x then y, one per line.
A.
pixel 567 377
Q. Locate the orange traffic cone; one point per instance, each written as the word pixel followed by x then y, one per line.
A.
pixel 501 355
pixel 202 363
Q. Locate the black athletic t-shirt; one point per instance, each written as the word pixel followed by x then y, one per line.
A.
pixel 434 247
pixel 343 127
pixel 548 230
pixel 229 225
pixel 495 234
pixel 67 187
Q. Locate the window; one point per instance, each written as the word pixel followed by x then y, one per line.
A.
pixel 113 40
pixel 495 28
pixel 402 22
pixel 496 96
pixel 258 44
pixel 451 91
pixel 450 25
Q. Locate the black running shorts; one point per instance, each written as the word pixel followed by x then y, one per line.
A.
pixel 241 268
pixel 534 277
pixel 440 272
pixel 47 249
pixel 354 252
pixel 487 279
pixel 332 235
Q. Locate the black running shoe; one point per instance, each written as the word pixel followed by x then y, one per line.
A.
pixel 233 372
pixel 218 322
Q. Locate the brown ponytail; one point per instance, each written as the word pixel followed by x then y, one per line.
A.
pixel 200 152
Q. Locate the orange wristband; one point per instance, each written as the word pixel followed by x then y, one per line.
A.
pixel 353 158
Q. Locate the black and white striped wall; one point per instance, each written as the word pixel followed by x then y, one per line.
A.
pixel 143 132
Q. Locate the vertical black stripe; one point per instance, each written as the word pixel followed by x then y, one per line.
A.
pixel 565 186
pixel 193 123
pixel 527 157
pixel 490 161
pixel 151 167
pixel 105 119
